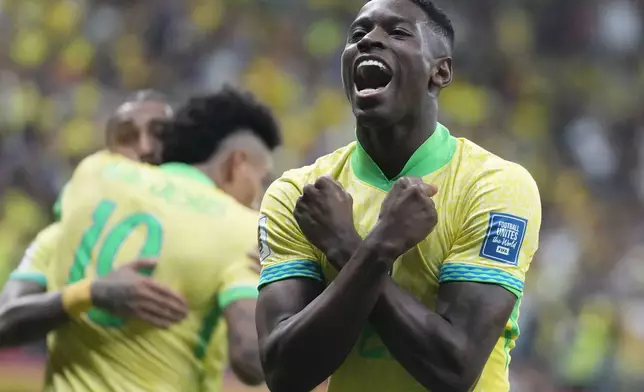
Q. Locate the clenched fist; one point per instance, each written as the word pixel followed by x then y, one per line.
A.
pixel 324 213
pixel 407 215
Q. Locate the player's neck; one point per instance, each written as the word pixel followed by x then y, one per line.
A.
pixel 391 146
pixel 209 171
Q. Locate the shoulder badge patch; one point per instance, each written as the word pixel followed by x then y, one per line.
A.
pixel 504 238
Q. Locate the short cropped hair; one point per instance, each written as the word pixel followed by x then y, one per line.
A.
pixel 442 23
pixel 147 95
pixel 200 126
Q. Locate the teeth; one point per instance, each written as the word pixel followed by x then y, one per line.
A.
pixel 369 91
pixel 374 63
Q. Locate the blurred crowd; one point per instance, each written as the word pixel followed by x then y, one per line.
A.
pixel 556 85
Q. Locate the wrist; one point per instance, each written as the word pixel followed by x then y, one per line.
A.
pixel 340 252
pixel 77 297
pixel 383 244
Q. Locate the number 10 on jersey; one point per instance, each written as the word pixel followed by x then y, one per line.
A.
pixel 108 248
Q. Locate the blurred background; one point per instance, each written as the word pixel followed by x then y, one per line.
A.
pixel 556 85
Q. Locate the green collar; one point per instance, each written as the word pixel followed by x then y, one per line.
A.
pixel 433 154
pixel 187 171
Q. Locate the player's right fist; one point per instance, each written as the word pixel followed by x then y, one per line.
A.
pixel 126 292
pixel 407 214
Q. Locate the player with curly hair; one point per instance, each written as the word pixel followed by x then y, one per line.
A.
pixel 192 215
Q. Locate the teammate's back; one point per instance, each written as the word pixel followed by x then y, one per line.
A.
pixel 117 210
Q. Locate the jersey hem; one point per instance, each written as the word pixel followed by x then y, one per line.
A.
pixel 30 276
pixel 460 272
pixel 237 293
pixel 290 269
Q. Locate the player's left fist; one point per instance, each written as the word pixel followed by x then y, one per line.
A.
pixel 407 214
pixel 324 213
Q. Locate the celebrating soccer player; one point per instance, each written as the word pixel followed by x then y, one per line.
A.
pixel 397 262
pixel 129 132
pixel 116 210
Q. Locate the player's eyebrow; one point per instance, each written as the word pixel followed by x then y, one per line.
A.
pixel 388 20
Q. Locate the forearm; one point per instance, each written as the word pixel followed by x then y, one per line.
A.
pixel 328 327
pixel 423 342
pixel 30 317
pixel 243 347
pixel 247 366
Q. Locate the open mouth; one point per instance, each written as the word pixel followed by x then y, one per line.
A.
pixel 371 76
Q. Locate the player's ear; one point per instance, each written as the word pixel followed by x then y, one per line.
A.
pixel 441 74
pixel 238 159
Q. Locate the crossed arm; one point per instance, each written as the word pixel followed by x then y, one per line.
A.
pixel 443 350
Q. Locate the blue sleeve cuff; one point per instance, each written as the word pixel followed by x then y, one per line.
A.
pixel 458 272
pixel 29 276
pixel 290 269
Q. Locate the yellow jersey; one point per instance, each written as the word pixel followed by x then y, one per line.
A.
pixel 489 215
pixel 35 262
pixel 34 266
pixel 116 210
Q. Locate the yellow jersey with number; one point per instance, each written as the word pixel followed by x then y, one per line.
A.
pixel 115 211
pixel 489 217
pixel 34 265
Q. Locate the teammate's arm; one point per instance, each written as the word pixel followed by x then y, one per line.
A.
pixel 237 297
pixel 29 280
pixel 29 313
pixel 297 319
pixel 242 341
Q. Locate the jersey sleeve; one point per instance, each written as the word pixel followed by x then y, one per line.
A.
pixel 238 281
pixel 500 231
pixel 283 250
pixel 35 261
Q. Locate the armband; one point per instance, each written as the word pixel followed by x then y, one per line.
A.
pixel 77 297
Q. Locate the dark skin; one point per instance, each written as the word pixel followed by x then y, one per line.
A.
pixel 298 319
pixel 242 341
pixel 445 349
pixel 28 312
pixel 131 130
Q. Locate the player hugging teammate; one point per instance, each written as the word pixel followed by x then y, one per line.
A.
pixel 396 263
pixel 161 323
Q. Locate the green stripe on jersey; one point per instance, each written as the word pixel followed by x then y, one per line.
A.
pixel 235 294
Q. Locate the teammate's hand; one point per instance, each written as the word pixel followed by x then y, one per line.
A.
pixel 407 215
pixel 324 213
pixel 127 293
